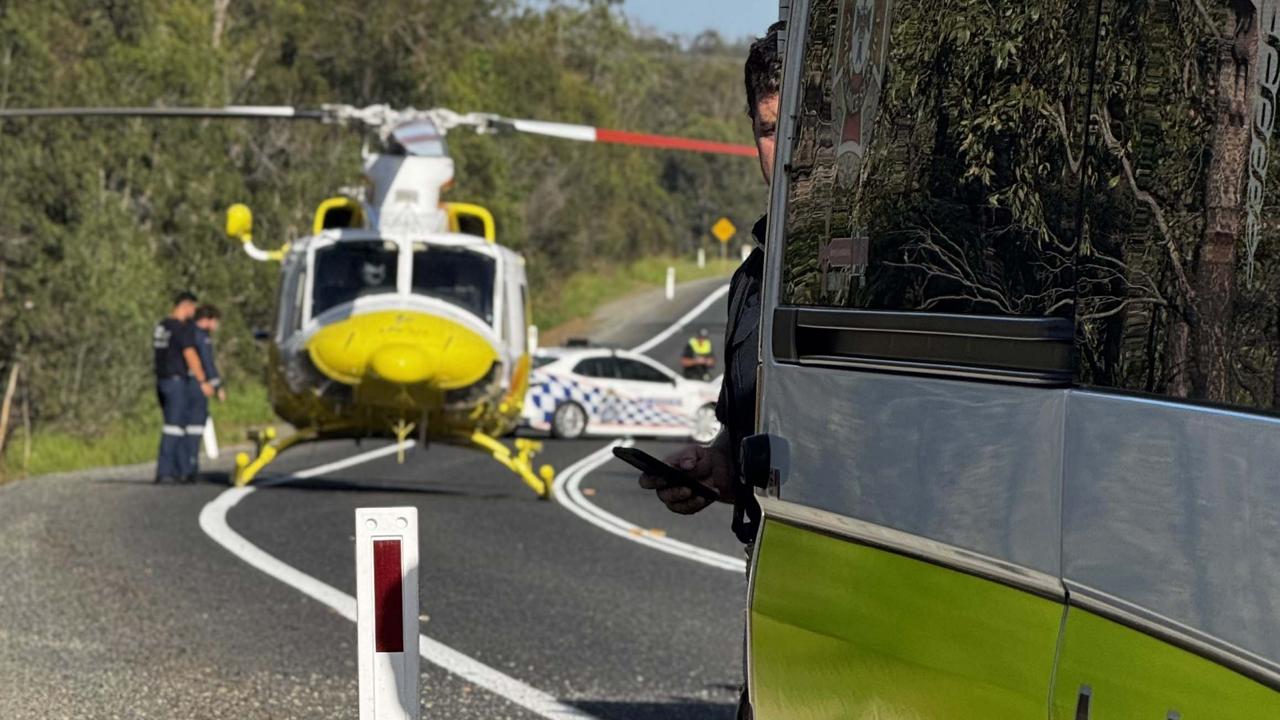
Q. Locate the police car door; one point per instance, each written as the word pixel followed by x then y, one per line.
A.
pixel 654 402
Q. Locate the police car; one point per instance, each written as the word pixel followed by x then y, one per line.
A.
pixel 598 391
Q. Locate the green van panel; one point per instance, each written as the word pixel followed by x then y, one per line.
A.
pixel 1132 675
pixel 844 630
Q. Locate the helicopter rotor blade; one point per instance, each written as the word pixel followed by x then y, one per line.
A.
pixel 587 133
pixel 247 112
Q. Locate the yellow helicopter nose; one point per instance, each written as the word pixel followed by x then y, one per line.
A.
pixel 403 364
pixel 402 347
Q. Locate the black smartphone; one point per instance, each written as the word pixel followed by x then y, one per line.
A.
pixel 644 462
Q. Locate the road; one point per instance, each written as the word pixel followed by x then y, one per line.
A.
pixel 116 603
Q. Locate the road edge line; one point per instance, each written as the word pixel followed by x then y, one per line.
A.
pixel 568 493
pixel 685 319
pixel 213 521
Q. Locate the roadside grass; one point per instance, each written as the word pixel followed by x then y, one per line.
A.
pixel 131 441
pixel 137 438
pixel 581 293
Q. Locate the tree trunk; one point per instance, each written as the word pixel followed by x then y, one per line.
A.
pixel 7 405
pixel 1226 182
pixel 219 21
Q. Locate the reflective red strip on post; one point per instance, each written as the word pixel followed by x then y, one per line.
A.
pixel 667 142
pixel 388 588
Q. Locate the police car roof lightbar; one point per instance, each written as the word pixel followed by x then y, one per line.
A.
pixel 387 612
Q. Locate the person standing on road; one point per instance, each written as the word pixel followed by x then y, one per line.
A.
pixel 207 320
pixel 716 464
pixel 698 357
pixel 178 375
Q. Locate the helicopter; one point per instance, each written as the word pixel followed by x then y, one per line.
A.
pixel 400 314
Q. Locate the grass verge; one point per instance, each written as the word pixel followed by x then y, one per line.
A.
pixel 132 441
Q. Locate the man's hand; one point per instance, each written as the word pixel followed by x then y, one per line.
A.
pixel 222 395
pixel 206 389
pixel 707 465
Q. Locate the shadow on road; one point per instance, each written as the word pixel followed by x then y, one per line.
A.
pixel 677 710
pixel 286 482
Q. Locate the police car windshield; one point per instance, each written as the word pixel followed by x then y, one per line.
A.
pixel 457 276
pixel 349 270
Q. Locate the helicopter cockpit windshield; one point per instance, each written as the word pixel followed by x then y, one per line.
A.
pixel 349 270
pixel 456 275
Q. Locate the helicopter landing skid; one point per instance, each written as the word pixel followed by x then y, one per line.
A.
pixel 520 462
pixel 402 430
pixel 269 446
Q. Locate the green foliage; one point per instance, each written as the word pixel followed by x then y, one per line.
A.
pixel 103 220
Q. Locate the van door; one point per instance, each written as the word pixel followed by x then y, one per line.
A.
pixel 1171 502
pixel 916 354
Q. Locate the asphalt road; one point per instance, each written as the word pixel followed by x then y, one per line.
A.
pixel 114 602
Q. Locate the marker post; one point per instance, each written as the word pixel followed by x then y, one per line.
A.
pixel 387 612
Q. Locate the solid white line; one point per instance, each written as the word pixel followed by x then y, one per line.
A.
pixel 213 521
pixel 568 493
pixel 688 317
pixel 353 460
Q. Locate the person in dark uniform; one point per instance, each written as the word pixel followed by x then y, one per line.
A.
pixel 698 358
pixel 716 464
pixel 178 374
pixel 207 320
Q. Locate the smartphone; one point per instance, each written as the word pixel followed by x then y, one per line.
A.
pixel 647 463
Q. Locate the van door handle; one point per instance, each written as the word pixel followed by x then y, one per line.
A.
pixel 1083 700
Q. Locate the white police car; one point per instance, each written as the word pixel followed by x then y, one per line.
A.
pixel 597 391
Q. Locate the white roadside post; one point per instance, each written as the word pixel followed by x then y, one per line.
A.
pixel 671 283
pixel 387 612
pixel 702 258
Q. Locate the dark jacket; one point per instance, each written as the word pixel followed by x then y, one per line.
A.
pixel 736 408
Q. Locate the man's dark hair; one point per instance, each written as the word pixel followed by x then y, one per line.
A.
pixel 764 68
pixel 184 296
pixel 208 312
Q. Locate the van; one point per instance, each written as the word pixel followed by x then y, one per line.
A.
pixel 1019 389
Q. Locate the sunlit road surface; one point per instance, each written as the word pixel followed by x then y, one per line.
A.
pixel 113 602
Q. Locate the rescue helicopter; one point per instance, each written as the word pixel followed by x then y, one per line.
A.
pixel 400 315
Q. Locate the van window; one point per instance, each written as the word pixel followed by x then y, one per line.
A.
pixel 1180 277
pixel 1044 162
pixel 931 165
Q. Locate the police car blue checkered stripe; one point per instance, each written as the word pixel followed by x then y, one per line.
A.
pixel 547 392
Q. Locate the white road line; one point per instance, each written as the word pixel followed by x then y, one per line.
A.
pixel 568 493
pixel 213 521
pixel 688 317
pixel 353 460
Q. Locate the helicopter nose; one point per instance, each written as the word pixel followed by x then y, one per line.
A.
pixel 403 364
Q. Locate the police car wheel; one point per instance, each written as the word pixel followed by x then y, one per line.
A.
pixel 705 424
pixel 569 422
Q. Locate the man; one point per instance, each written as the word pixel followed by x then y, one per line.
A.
pixel 178 368
pixel 698 357
pixel 716 465
pixel 207 320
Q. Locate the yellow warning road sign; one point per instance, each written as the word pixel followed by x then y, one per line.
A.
pixel 723 230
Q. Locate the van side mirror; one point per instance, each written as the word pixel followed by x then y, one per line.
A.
pixel 240 222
